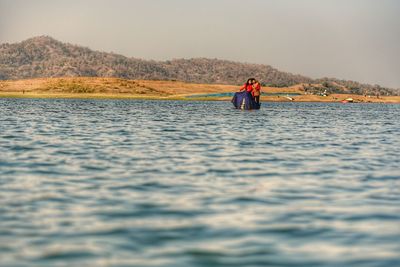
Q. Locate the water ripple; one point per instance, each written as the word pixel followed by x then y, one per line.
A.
pixel 150 183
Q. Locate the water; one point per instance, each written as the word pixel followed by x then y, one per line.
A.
pixel 147 183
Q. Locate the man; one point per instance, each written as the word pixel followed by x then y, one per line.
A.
pixel 256 91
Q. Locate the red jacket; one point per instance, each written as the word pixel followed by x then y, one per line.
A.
pixel 249 88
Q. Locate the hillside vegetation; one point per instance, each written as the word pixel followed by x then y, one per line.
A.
pixel 44 56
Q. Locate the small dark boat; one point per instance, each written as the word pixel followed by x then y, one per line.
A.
pixel 244 100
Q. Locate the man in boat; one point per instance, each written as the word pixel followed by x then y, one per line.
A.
pixel 256 91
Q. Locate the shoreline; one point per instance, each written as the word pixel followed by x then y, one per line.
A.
pixel 189 98
pixel 115 88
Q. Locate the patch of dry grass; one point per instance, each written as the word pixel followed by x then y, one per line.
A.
pixel 116 88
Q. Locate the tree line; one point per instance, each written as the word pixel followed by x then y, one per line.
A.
pixel 46 57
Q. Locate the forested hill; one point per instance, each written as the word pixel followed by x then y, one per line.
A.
pixel 46 57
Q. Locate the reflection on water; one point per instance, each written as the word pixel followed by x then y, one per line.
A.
pixel 143 183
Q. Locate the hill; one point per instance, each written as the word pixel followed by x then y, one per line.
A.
pixel 43 56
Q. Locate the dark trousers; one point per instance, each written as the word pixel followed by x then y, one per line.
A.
pixel 257 99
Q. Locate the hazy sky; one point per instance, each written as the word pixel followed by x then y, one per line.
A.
pixel 349 39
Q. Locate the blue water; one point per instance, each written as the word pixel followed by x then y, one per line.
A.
pixel 147 183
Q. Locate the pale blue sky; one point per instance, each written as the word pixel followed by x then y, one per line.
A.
pixel 349 39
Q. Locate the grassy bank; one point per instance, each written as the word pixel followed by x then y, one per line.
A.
pixel 114 88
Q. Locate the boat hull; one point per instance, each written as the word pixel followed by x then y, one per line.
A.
pixel 244 100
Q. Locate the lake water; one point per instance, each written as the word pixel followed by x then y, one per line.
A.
pixel 165 183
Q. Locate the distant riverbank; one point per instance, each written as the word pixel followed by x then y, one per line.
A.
pixel 114 88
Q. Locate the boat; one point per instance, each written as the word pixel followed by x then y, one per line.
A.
pixel 245 101
pixel 348 100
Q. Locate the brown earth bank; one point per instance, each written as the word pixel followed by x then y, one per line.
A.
pixel 85 87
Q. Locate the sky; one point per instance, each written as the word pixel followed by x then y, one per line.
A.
pixel 346 39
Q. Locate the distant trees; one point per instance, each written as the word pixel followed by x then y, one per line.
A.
pixel 46 57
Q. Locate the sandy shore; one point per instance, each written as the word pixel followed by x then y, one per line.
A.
pixel 114 88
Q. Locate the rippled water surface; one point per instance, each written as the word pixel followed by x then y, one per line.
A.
pixel 147 183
